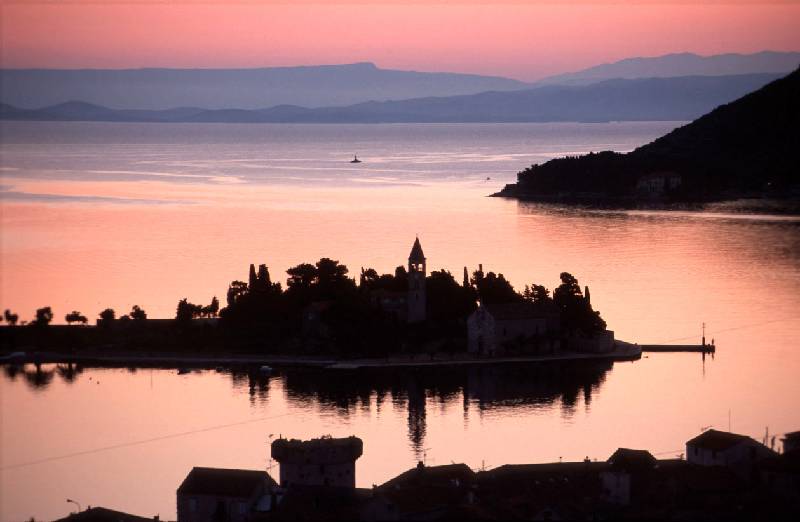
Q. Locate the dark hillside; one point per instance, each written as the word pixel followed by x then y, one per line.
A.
pixel 744 147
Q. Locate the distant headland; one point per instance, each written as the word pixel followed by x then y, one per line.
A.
pixel 744 149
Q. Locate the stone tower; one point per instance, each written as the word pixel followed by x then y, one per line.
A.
pixel 416 284
pixel 318 462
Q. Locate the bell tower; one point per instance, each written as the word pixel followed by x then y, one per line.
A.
pixel 416 284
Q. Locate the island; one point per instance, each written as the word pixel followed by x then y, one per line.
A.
pixel 324 317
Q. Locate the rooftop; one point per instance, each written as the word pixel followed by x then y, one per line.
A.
pixel 432 475
pixel 632 459
pixel 239 483
pixel 101 514
pixel 717 440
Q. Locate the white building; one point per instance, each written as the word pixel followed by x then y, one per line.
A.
pixel 731 450
pixel 491 328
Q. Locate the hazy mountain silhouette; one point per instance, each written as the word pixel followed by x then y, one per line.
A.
pixel 682 64
pixel 747 147
pixel 312 86
pixel 650 99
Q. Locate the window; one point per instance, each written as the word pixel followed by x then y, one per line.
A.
pixel 192 505
pixel 242 508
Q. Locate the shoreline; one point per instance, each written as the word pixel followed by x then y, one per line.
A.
pixel 622 352
pixel 734 204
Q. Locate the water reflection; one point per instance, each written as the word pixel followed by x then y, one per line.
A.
pixel 39 376
pixel 500 389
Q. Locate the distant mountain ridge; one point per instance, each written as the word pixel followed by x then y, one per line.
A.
pixel 311 86
pixel 682 64
pixel 651 99
pixel 747 147
pixel 332 85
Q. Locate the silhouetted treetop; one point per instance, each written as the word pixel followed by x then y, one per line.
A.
pixel 43 316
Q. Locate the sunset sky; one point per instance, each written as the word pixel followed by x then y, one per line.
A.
pixel 525 40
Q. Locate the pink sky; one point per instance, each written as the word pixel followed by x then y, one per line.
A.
pixel 525 40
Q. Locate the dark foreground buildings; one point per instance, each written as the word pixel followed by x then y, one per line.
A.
pixel 725 476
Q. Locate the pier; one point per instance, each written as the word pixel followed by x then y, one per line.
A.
pixel 700 348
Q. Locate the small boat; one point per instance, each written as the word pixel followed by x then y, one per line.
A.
pixel 265 370
pixel 355 159
pixel 183 371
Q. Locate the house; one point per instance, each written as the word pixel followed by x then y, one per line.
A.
pixel 319 503
pixel 551 491
pixel 224 495
pixel 721 448
pixel 656 184
pixel 491 329
pixel 427 493
pixel 318 462
pixel 791 442
pixel 626 467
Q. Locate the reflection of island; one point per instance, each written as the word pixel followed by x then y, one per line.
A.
pixel 39 376
pixel 497 387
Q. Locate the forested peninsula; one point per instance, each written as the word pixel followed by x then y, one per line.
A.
pixel 746 148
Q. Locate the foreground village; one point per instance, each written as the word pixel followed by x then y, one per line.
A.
pixel 722 476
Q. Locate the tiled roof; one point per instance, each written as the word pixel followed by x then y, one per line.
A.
pixel 430 475
pixel 717 440
pixel 239 483
pixel 101 514
pixel 630 459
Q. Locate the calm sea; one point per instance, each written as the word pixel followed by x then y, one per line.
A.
pixel 98 215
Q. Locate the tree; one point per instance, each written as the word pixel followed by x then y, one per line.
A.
pixel 369 278
pixel 301 276
pixel 536 293
pixel 576 310
pixel 447 300
pixel 10 318
pixel 236 290
pixel 137 314
pixel 43 316
pixel 187 311
pixel 494 288
pixel 75 317
pixel 213 308
pixel 107 316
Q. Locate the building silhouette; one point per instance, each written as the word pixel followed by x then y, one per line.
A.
pixel 417 272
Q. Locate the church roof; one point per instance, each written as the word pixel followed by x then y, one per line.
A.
pixel 416 255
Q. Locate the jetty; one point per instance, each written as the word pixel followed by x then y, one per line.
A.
pixel 699 348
